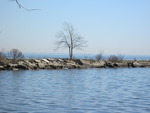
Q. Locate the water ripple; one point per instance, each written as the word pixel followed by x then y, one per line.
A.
pixel 76 91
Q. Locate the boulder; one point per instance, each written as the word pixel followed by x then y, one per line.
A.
pixel 51 59
pixel 56 65
pixel 136 64
pixel 78 61
pixel 11 66
pixel 109 64
pixel 21 62
pixel 22 66
pixel 31 65
pixel 145 63
pixel 61 60
pixel 71 64
pixel 115 65
pixel 64 66
pixel 98 64
pixel 122 64
pixel 2 68
pixel 48 67
pixel 41 65
pixel 50 63
pixel 45 60
pixel 37 61
pixel 15 69
pixel 87 63
pixel 130 64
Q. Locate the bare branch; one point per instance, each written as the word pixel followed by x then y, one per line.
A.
pixel 99 56
pixel 15 54
pixel 69 38
pixel 21 6
pixel 115 58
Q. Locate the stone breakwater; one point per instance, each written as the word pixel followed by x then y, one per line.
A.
pixel 52 63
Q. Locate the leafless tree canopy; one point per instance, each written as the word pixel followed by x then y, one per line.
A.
pixel 99 56
pixel 15 54
pixel 114 58
pixel 69 38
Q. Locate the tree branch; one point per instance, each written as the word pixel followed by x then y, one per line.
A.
pixel 70 39
pixel 21 6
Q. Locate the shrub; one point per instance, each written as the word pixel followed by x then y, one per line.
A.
pixel 15 55
pixel 114 58
pixel 99 56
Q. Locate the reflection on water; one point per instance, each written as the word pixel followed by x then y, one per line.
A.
pixel 76 91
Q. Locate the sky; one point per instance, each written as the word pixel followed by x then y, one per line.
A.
pixel 112 26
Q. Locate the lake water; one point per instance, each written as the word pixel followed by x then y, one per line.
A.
pixel 123 90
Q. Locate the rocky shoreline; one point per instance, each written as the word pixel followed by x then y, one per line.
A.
pixel 54 63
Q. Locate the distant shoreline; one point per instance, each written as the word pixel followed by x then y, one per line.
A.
pixel 80 56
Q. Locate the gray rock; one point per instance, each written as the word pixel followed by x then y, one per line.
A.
pixel 78 61
pixel 51 59
pixel 31 65
pixel 37 61
pixel 109 64
pixel 2 68
pixel 98 64
pixel 45 60
pixel 87 63
pixel 41 65
pixel 136 64
pixel 15 69
pixel 21 62
pixel 61 60
pixel 71 65
pixel 21 66
pixel 122 64
pixel 145 63
pixel 11 66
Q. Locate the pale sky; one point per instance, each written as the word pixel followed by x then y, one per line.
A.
pixel 114 26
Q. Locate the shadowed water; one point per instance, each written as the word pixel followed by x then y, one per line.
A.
pixel 120 90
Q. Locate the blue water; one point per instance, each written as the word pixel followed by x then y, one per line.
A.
pixel 82 56
pixel 123 90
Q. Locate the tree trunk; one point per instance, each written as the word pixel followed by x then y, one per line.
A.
pixel 71 53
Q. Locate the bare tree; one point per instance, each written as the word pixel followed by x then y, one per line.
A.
pixel 99 56
pixel 15 54
pixel 69 38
